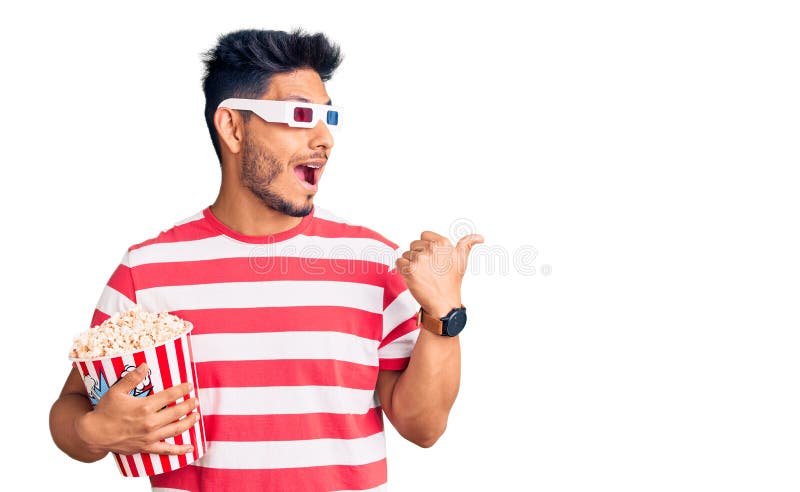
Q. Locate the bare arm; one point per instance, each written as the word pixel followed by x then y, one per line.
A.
pixel 71 404
pixel 120 423
pixel 417 401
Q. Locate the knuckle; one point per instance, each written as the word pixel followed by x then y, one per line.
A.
pixel 150 425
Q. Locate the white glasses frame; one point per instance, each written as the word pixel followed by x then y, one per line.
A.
pixel 283 111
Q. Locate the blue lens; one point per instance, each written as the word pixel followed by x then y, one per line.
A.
pixel 333 118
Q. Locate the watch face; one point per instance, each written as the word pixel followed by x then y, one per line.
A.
pixel 456 322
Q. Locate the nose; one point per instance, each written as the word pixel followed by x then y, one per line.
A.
pixel 321 137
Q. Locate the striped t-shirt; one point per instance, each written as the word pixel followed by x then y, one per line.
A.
pixel 290 331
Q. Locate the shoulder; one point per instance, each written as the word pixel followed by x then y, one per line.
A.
pixel 191 228
pixel 328 224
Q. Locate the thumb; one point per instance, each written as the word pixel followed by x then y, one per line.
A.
pixel 467 242
pixel 132 379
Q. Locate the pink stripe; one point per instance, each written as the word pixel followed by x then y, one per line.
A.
pixel 119 366
pixel 284 318
pixel 82 368
pixel 329 477
pixel 253 269
pixel 139 358
pixel 190 231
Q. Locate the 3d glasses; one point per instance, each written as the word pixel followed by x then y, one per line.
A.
pixel 294 113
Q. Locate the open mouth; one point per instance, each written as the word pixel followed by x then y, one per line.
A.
pixel 308 174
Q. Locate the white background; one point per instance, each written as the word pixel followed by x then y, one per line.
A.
pixel 646 150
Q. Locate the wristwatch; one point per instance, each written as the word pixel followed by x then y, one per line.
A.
pixel 449 325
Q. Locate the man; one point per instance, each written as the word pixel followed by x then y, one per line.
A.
pixel 305 326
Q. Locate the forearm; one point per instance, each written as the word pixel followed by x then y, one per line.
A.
pixel 426 390
pixel 63 419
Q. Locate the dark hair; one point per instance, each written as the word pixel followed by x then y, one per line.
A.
pixel 242 63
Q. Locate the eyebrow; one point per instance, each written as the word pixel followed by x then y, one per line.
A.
pixel 294 97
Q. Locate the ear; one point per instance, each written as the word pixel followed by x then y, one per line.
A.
pixel 230 129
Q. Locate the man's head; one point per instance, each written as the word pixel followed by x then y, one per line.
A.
pixel 272 65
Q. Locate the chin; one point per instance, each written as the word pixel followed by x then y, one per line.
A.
pixel 295 210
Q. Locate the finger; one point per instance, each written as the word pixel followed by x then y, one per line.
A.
pixel 131 380
pixel 435 238
pixel 404 266
pixel 467 242
pixel 173 413
pixel 419 245
pixel 409 255
pixel 169 395
pixel 165 448
pixel 176 428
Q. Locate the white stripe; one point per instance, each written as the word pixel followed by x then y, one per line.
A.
pixel 277 293
pixel 400 348
pixel 283 345
pixel 165 489
pixel 125 259
pixel 401 309
pixel 192 218
pixel 113 301
pixel 300 246
pixel 326 214
pixel 379 488
pixel 294 454
pixel 260 400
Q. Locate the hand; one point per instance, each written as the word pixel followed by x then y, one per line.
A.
pixel 126 424
pixel 433 270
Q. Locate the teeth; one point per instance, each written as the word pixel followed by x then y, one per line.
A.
pixel 314 166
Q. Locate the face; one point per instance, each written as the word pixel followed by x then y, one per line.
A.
pixel 274 155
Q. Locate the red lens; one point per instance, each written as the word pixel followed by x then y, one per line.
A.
pixel 303 115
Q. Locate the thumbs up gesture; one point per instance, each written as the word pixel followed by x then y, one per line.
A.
pixel 433 270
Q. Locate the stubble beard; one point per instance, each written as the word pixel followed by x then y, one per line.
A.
pixel 259 170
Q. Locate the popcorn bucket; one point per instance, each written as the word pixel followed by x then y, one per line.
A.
pixel 169 364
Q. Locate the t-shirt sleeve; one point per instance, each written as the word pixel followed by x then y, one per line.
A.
pixel 119 294
pixel 400 330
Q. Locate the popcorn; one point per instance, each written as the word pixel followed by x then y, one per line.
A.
pixel 128 331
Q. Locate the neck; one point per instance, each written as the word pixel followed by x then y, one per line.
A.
pixel 244 213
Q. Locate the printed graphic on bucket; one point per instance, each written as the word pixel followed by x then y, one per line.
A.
pixel 96 388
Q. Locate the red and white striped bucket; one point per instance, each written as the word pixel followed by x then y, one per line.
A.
pixel 169 364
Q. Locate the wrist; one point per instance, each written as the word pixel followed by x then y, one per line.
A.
pixel 439 311
pixel 83 425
